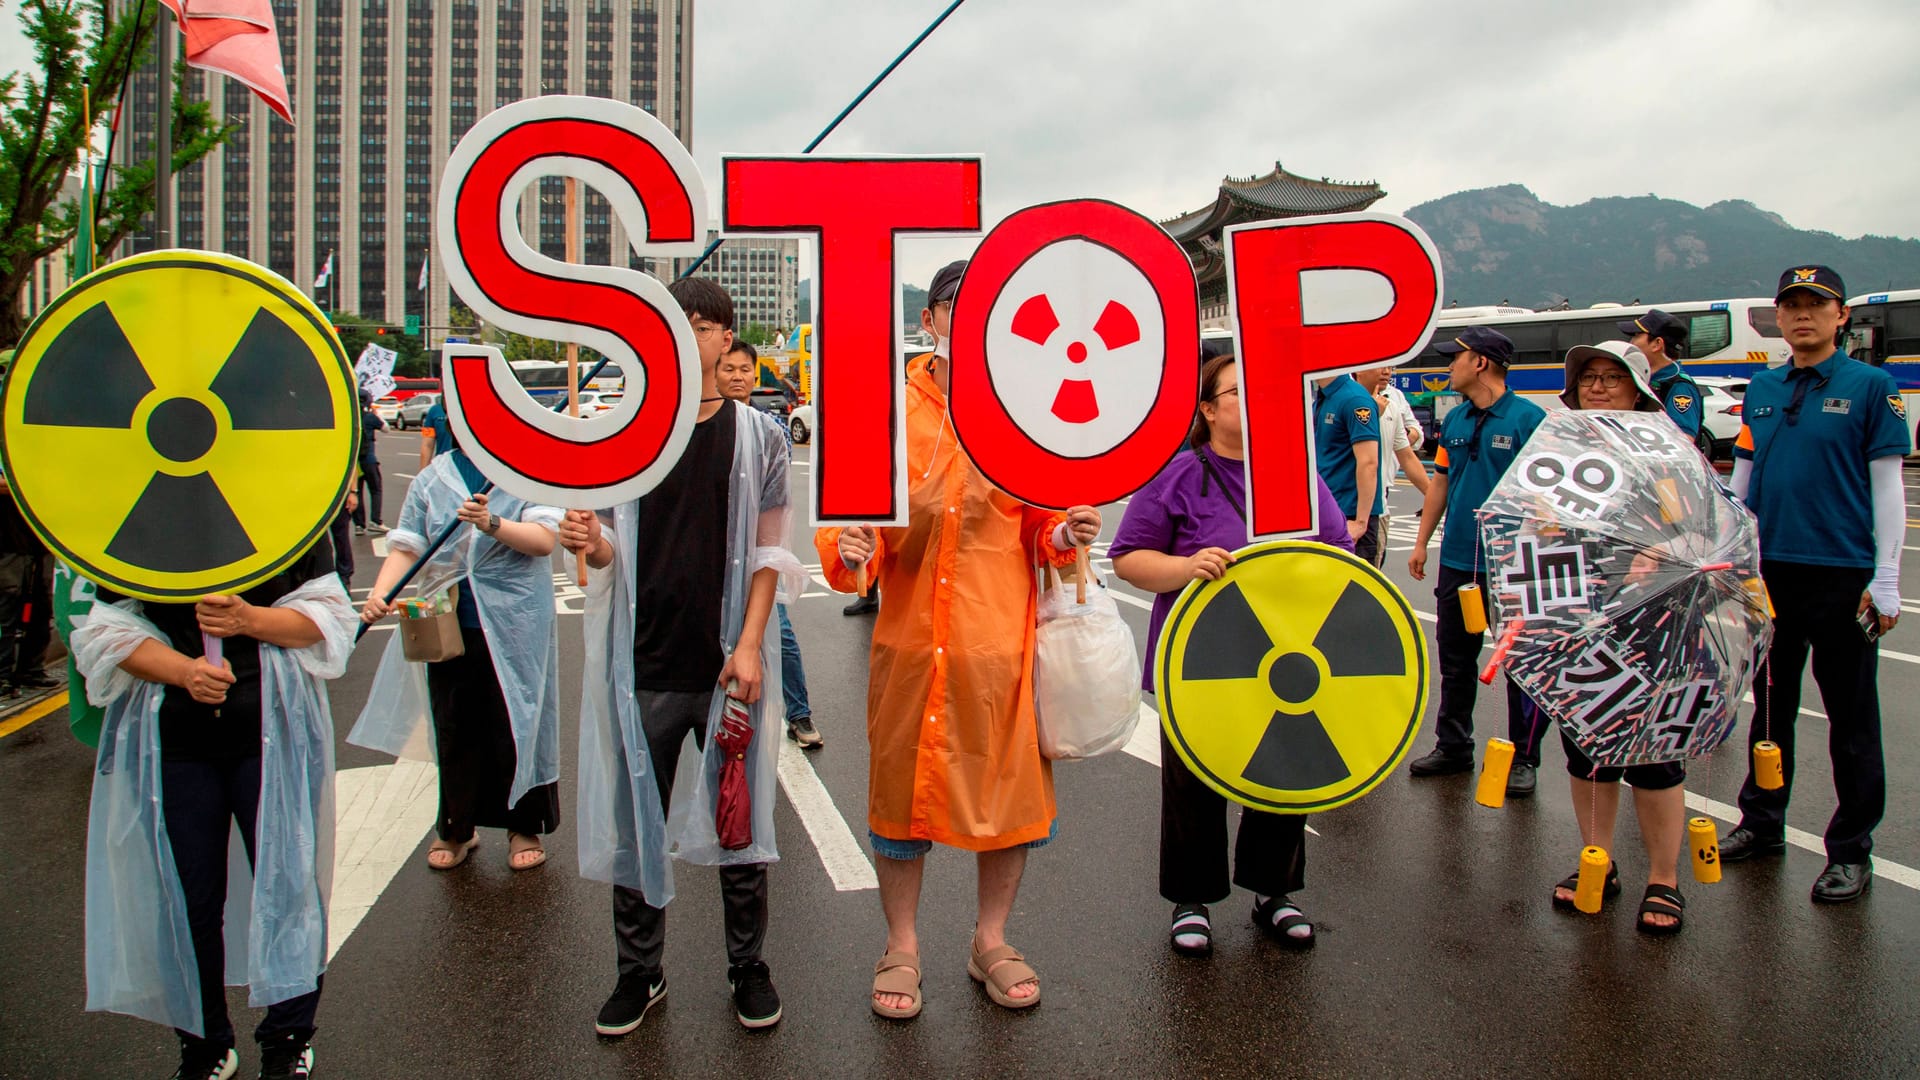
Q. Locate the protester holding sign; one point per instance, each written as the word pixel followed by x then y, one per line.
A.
pixel 950 722
pixel 1477 443
pixel 676 633
pixel 213 738
pixel 1613 375
pixel 1825 485
pixel 495 708
pixel 368 486
pixel 1184 526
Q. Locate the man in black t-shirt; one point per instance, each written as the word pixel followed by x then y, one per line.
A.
pixel 681 552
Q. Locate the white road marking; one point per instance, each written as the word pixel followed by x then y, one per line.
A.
pixel 1800 838
pixel 839 852
pixel 380 814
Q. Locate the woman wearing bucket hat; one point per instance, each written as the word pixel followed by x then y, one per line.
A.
pixel 1613 375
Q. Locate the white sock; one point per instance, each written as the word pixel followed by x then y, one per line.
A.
pixel 1201 930
pixel 1298 931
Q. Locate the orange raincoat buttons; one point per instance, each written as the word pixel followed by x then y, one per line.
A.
pixel 954 756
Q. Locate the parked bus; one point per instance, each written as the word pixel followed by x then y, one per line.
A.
pixel 1885 332
pixel 1724 337
pixel 546 380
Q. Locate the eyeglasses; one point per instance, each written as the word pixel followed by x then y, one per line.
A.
pixel 1608 379
pixel 707 330
pixel 1217 394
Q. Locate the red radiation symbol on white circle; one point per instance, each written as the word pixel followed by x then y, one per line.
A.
pixel 1073 347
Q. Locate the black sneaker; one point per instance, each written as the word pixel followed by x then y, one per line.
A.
pixel 801 730
pixel 755 1001
pixel 628 1005
pixel 864 605
pixel 197 1064
pixel 289 1057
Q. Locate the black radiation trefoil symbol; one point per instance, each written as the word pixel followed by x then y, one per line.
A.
pixel 92 377
pixel 1075 402
pixel 1296 753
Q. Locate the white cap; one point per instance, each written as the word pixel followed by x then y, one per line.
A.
pixel 1627 355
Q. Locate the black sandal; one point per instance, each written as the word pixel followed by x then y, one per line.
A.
pixel 1572 883
pixel 1190 920
pixel 1263 913
pixel 1650 904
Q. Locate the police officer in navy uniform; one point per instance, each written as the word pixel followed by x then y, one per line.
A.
pixel 1347 449
pixel 1663 339
pixel 1818 462
pixel 1478 441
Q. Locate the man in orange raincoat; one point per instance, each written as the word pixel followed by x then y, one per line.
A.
pixel 950 725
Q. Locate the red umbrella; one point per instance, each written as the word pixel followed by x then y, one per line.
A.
pixel 733 815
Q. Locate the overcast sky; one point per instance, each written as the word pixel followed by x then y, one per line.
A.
pixel 1808 110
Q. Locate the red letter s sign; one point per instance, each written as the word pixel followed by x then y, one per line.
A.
pixel 656 193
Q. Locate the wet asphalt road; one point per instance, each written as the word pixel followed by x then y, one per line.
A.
pixel 1438 954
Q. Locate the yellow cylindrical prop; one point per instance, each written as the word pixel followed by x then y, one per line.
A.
pixel 1493 774
pixel 1473 609
pixel 1761 598
pixel 1591 888
pixel 1704 841
pixel 1767 771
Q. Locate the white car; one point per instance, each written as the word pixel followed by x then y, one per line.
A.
pixel 1721 398
pixel 388 409
pixel 413 411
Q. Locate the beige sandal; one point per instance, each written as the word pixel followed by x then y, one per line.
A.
pixel 446 858
pixel 999 971
pixel 517 858
pixel 891 976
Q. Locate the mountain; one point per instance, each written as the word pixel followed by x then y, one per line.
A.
pixel 914 298
pixel 1504 243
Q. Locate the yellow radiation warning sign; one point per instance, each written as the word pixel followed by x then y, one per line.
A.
pixel 1296 682
pixel 180 424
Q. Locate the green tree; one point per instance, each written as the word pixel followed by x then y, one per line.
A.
pixel 45 129
pixel 758 335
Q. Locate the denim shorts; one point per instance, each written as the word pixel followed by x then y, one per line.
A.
pixel 909 850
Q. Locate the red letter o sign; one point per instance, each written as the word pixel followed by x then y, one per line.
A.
pixel 1076 335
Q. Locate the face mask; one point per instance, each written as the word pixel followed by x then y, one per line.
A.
pixel 942 347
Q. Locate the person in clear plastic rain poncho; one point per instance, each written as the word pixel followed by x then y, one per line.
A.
pixel 190 752
pixel 495 709
pixel 683 581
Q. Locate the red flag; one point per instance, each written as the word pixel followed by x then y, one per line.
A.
pixel 236 38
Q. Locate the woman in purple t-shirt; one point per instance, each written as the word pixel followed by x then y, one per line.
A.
pixel 1183 526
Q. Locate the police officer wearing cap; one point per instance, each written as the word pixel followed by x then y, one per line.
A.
pixel 1478 441
pixel 1818 463
pixel 1662 338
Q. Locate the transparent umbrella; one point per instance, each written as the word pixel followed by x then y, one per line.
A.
pixel 1626 586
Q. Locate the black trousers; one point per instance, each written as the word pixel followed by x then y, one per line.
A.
pixel 370 493
pixel 201 800
pixel 17 594
pixel 1460 675
pixel 1815 609
pixel 639 928
pixel 1269 855
pixel 473 739
pixel 1372 545
pixel 342 547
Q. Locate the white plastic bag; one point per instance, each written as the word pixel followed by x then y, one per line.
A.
pixel 1086 673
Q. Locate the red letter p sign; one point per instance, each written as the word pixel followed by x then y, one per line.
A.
pixel 1311 297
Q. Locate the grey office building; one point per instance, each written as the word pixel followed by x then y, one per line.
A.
pixel 381 93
